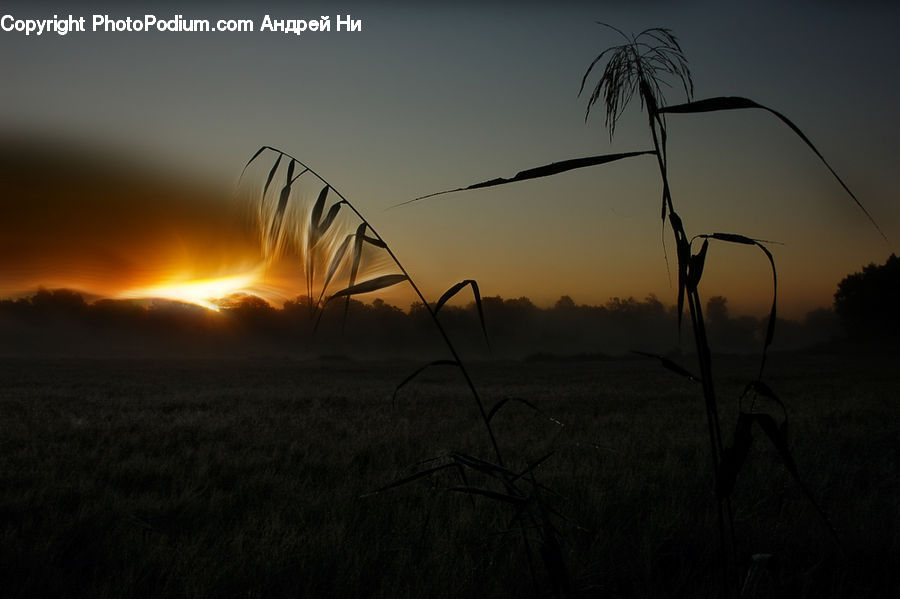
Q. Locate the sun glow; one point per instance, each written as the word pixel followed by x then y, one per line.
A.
pixel 202 292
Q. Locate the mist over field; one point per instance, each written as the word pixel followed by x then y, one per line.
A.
pixel 61 323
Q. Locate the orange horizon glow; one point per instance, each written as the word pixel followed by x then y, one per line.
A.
pixel 205 292
pixel 107 231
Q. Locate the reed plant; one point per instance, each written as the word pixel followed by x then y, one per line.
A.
pixel 335 242
pixel 644 65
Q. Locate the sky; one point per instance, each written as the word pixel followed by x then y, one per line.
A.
pixel 433 96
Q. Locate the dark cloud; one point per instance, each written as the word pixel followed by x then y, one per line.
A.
pixel 73 216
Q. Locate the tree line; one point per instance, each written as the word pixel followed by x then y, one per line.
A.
pixel 61 322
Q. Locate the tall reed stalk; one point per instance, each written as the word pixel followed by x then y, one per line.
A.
pixel 322 239
pixel 643 65
pixel 317 228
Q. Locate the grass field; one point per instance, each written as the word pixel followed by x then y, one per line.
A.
pixel 250 478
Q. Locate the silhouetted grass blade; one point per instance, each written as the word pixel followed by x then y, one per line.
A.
pixel 449 294
pixel 411 478
pixel 506 400
pixel 375 241
pixel 419 371
pixel 475 292
pixel 370 285
pixel 532 466
pixel 355 261
pixel 290 172
pixel 337 258
pixel 334 264
pixel 737 103
pixel 778 436
pixel 733 238
pixel 733 457
pixel 495 495
pixel 329 218
pixel 760 388
pixel 317 210
pixel 683 253
pixel 770 329
pixel 254 157
pixel 357 252
pixel 695 268
pixel 483 466
pixel 770 325
pixel 278 217
pixel 271 175
pixel 541 171
pixel 670 365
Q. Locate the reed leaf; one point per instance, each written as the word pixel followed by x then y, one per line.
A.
pixel 669 365
pixel 505 401
pixel 532 466
pixel 546 170
pixel 357 251
pixel 329 218
pixel 683 254
pixel 411 478
pixel 497 496
pixel 355 261
pixel 335 263
pixel 370 285
pixel 271 175
pixel 733 238
pixel 770 328
pixel 483 466
pixel 733 457
pixel 760 388
pixel 317 209
pixel 475 292
pixel 770 325
pixel 419 371
pixel 278 218
pixel 738 103
pixel 375 241
pixel 778 436
pixel 695 267
pixel 254 157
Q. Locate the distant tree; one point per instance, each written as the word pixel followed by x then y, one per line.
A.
pixel 717 310
pixel 565 303
pixel 58 302
pixel 522 304
pixel 301 306
pixel 868 302
pixel 253 313
pixel 730 334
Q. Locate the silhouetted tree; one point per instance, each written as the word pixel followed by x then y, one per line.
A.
pixel 62 321
pixel 565 303
pixel 868 302
pixel 58 302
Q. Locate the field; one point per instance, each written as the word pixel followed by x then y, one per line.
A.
pixel 253 478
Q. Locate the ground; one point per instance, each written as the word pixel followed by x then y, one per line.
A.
pixel 254 478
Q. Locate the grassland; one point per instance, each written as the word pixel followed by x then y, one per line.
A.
pixel 248 478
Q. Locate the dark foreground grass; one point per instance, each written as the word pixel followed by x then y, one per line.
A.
pixel 246 479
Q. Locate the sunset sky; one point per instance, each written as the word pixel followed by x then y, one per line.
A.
pixel 434 96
